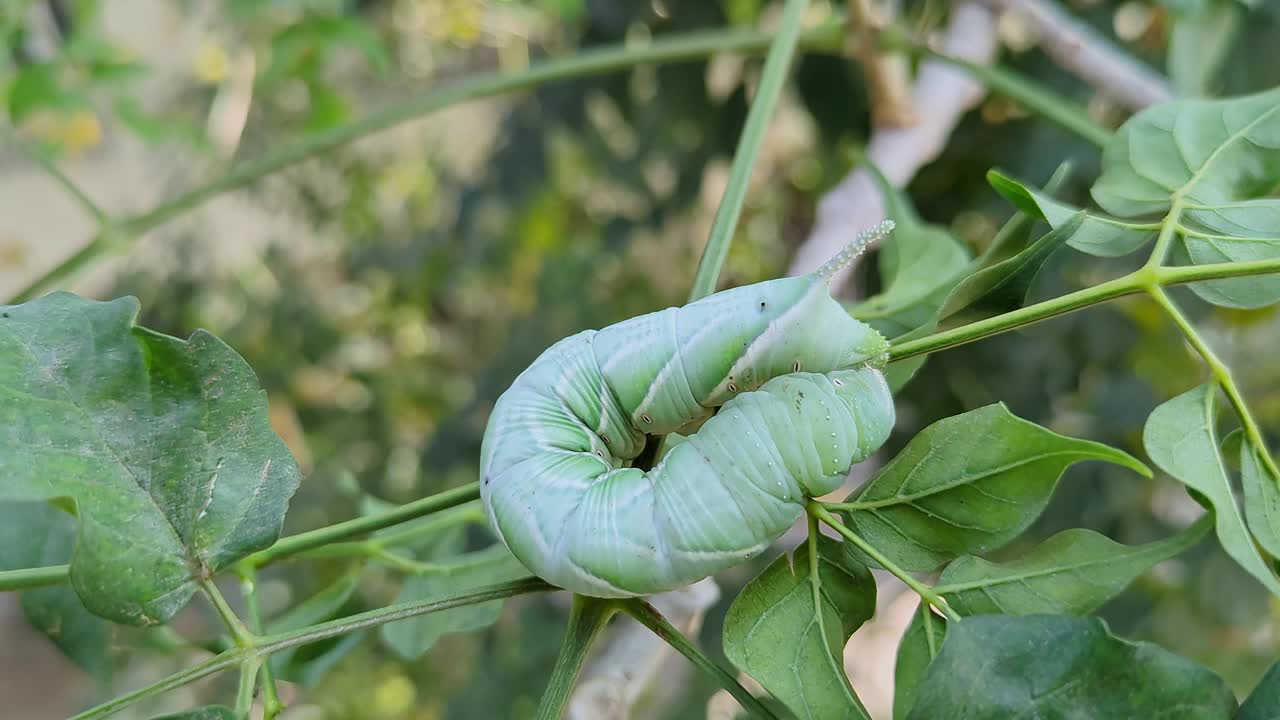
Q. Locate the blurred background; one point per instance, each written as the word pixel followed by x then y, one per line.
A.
pixel 386 292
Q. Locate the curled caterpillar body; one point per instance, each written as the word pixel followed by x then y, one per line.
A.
pixel 800 400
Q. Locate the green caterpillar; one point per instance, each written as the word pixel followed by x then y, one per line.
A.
pixel 800 400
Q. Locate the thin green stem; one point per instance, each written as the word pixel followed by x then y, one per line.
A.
pixel 248 684
pixel 648 615
pixel 1126 285
pixel 776 67
pixel 924 591
pixel 1181 274
pixel 309 540
pixel 597 61
pixel 587 619
pixel 239 632
pixel 271 704
pixel 926 619
pixel 28 578
pixel 1168 229
pixel 470 512
pixel 271 644
pixel 1222 376
pixel 41 157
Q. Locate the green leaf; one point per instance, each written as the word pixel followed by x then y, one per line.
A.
pixel 1261 498
pixel 967 484
pixel 1181 439
pixel 1015 235
pixel 919 264
pixel 415 636
pixel 164 446
pixel 1004 286
pixel 37 87
pixel 208 712
pixel 1047 666
pixel 1200 41
pixel 36 534
pixel 1264 702
pixel 788 628
pixel 1073 573
pixel 1096 235
pixel 1208 166
pixel 920 644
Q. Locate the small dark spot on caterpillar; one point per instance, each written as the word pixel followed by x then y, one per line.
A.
pixel 647 420
pixel 837 382
pixel 733 388
pixel 486 480
pixel 4 315
pixel 762 305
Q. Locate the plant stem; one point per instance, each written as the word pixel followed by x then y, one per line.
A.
pixel 248 683
pixel 924 591
pixel 302 542
pixel 239 632
pixel 584 63
pixel 41 157
pixel 28 578
pixel 271 704
pixel 587 618
pixel 1222 376
pixel 270 644
pixel 1168 228
pixel 648 615
pixel 772 79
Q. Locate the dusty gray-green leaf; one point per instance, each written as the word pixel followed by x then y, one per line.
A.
pixel 1003 287
pixel 415 636
pixel 920 644
pixel 1072 573
pixel 163 444
pixel 1208 167
pixel 967 484
pixel 37 534
pixel 1261 498
pixel 1263 702
pixel 776 632
pixel 208 712
pixel 1181 439
pixel 1048 666
pixel 1097 235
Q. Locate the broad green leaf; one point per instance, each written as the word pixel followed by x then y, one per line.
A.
pixel 208 712
pixel 36 534
pixel 1004 286
pixel 1264 702
pixel 163 445
pixel 788 628
pixel 415 636
pixel 1261 498
pixel 324 605
pixel 1048 666
pixel 1200 42
pixel 921 642
pixel 38 87
pixel 967 484
pixel 1181 439
pixel 1073 573
pixel 1096 235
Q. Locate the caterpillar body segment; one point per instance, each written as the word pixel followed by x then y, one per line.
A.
pixel 799 399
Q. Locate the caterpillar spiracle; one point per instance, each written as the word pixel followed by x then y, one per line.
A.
pixel 800 400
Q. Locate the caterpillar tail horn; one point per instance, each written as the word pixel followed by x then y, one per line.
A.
pixel 854 250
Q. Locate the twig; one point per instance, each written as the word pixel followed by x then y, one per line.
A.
pixel 1091 57
pixel 888 73
pixel 943 93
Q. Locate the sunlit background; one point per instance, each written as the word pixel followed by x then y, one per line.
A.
pixel 388 291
